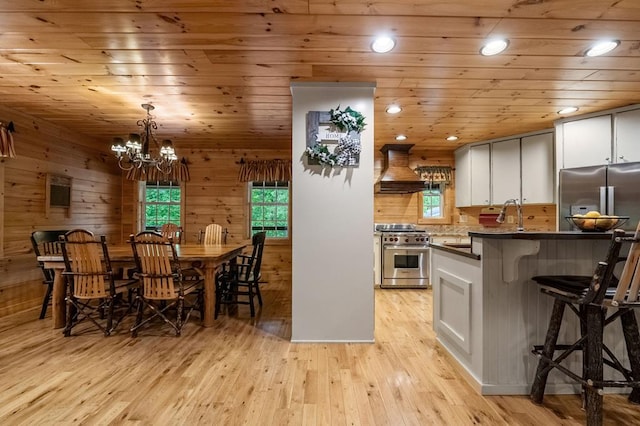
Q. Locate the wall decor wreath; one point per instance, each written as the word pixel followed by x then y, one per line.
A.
pixel 333 137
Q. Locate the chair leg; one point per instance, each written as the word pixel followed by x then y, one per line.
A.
pixel 134 329
pixel 218 297
pixel 46 300
pixel 111 301
pixel 594 364
pixel 542 372
pixel 632 340
pixel 179 309
pixel 257 284
pixel 251 293
pixel 69 322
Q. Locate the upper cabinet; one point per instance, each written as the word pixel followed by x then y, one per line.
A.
pixel 462 177
pixel 587 142
pixel 480 174
pixel 603 138
pixel 537 169
pixel 492 172
pixel 627 136
pixel 505 170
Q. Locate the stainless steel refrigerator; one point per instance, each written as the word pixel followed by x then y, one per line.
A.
pixel 612 189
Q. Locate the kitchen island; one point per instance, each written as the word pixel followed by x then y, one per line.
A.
pixel 488 313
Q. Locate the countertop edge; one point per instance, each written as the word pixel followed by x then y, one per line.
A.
pixel 454 250
pixel 561 235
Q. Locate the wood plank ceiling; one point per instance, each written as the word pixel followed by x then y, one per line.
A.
pixel 218 71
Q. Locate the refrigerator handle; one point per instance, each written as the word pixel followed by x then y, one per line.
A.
pixel 610 200
pixel 603 199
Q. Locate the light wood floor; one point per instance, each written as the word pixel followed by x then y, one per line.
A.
pixel 240 372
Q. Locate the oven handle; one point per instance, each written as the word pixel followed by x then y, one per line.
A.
pixel 408 248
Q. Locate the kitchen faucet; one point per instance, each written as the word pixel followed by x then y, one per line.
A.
pixel 515 202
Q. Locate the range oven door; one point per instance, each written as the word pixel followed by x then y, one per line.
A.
pixel 405 266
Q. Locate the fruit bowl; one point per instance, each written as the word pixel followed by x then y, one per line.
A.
pixel 596 224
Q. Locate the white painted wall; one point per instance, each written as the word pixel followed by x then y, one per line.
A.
pixel 332 224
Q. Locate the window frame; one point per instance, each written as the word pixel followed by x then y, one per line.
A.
pixel 446 207
pixel 250 204
pixel 143 204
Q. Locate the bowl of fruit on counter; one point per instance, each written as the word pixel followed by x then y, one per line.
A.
pixel 593 221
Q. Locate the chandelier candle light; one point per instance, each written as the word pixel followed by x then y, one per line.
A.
pixel 135 153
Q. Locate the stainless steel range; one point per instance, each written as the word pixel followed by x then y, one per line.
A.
pixel 405 256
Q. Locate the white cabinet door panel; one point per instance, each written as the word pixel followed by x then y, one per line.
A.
pixel 627 136
pixel 505 170
pixel 480 174
pixel 587 142
pixel 463 178
pixel 537 169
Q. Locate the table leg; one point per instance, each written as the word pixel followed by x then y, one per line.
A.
pixel 58 304
pixel 209 294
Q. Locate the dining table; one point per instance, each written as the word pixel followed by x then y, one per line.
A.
pixel 211 257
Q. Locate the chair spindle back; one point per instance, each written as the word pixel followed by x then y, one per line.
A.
pixel 157 263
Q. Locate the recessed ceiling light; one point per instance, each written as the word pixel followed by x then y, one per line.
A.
pixel 494 47
pixel 602 47
pixel 383 44
pixel 393 109
pixel 568 110
pixel 452 138
pixel 401 138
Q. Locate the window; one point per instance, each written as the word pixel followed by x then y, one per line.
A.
pixel 433 202
pixel 270 208
pixel 161 204
pixel 435 205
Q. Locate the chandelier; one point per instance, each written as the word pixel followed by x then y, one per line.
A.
pixel 135 153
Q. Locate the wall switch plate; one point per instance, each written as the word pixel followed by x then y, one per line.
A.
pixel 463 218
pixel 510 219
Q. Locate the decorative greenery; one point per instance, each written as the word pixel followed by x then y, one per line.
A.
pixel 348 120
pixel 348 148
pixel 345 154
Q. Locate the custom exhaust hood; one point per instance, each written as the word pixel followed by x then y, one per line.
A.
pixel 397 177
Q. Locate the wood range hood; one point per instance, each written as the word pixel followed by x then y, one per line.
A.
pixel 397 177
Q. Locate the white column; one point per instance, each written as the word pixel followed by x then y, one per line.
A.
pixel 332 224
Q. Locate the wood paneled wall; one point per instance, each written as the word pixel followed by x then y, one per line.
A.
pixel 403 208
pixel 43 148
pixel 214 195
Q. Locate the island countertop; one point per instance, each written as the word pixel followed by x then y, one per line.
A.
pixel 559 235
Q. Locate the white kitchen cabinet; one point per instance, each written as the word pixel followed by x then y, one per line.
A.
pixel 505 170
pixel 492 172
pixel 463 177
pixel 627 135
pixel 537 169
pixel 587 142
pixel 480 159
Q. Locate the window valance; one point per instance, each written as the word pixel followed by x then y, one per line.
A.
pixel 265 170
pixel 6 140
pixel 179 173
pixel 435 174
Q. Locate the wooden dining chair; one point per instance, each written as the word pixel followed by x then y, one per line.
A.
pixel 171 230
pixel 46 243
pixel 93 289
pixel 242 282
pixel 591 298
pixel 213 234
pixel 164 287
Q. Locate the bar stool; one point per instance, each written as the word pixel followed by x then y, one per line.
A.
pixel 590 297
